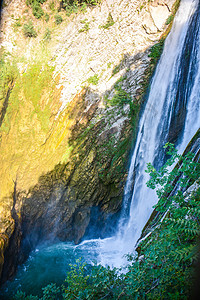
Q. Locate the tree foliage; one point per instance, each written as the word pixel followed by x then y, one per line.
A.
pixel 69 5
pixel 163 267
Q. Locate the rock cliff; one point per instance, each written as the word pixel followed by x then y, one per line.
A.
pixel 69 107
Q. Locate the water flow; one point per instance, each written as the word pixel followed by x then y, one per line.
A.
pixel 175 92
pixel 192 120
pixel 174 75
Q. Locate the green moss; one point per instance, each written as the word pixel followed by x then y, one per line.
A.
pixel 120 66
pixel 38 78
pixel 169 19
pixel 9 75
pixel 32 84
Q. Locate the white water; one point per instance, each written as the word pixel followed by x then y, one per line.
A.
pixel 152 136
pixel 47 263
pixel 192 122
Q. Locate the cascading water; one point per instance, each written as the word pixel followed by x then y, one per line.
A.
pixel 172 113
pixel 173 98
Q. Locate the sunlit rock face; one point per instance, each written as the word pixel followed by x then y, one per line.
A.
pixel 69 117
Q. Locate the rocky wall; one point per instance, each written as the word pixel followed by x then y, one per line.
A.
pixel 70 122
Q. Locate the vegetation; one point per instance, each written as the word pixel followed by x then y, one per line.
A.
pixel 116 69
pixel 46 18
pixel 36 7
pixel 8 74
pixel 28 30
pixel 120 66
pixel 73 6
pixel 70 6
pixel 164 266
pixel 47 35
pixel 80 2
pixel 51 292
pixel 17 23
pixel 37 10
pixel 93 79
pixel 86 26
pixel 109 22
pixel 156 51
pixel 34 82
pixel 169 19
pixel 52 5
pixel 121 97
pixel 58 19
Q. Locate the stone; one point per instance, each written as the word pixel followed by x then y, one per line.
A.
pixel 68 148
pixel 149 25
pixel 159 15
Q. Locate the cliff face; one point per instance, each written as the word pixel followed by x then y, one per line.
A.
pixel 69 105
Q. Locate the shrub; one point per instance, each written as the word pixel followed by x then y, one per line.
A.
pixel 37 10
pixel 120 98
pixel 91 283
pixel 93 79
pixel 73 6
pixel 156 51
pixel 80 2
pixel 70 9
pixel 30 2
pixel 22 296
pixel 58 19
pixel 29 30
pixel 46 17
pixel 51 292
pixel 36 7
pixel 52 5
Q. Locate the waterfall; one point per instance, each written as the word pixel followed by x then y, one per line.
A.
pixel 172 113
